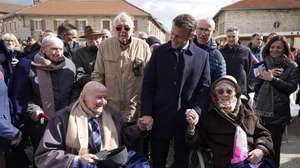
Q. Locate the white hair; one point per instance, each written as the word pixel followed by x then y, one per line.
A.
pixel 210 21
pixel 123 17
pixel 51 39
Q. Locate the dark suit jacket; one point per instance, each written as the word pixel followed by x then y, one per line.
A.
pixel 163 99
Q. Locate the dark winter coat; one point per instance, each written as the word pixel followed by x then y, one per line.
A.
pixel 238 64
pixel 216 132
pixel 283 86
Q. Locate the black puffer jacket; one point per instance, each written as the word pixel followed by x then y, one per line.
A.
pixel 283 86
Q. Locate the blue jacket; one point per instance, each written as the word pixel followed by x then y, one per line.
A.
pixel 164 98
pixel 8 131
pixel 216 60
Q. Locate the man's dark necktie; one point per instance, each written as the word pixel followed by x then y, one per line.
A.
pixel 180 68
pixel 96 135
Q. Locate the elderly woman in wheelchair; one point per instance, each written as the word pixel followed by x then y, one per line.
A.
pixel 230 129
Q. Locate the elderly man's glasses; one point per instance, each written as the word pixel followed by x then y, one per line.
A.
pixel 119 28
pixel 222 91
pixel 205 30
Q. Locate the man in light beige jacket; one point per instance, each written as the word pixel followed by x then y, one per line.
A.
pixel 120 66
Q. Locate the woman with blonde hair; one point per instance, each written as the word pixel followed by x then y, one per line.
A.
pixel 13 48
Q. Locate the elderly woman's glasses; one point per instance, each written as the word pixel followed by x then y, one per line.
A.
pixel 222 91
pixel 119 28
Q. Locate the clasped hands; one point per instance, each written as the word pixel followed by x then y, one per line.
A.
pixel 192 118
pixel 145 122
pixel 268 75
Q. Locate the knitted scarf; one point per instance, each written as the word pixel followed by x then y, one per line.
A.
pixel 77 136
pixel 264 104
pixel 43 68
pixel 232 116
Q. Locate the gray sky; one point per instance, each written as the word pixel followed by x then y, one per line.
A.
pixel 166 10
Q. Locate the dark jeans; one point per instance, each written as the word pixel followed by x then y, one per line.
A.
pixel 160 148
pixel 276 133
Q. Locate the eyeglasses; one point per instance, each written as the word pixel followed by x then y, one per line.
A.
pixel 119 28
pixel 205 30
pixel 221 91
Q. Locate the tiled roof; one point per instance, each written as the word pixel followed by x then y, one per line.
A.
pixel 263 4
pixel 8 8
pixel 83 7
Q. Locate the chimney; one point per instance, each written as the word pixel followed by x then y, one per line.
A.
pixel 35 2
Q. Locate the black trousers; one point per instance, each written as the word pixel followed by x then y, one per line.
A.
pixel 276 133
pixel 160 148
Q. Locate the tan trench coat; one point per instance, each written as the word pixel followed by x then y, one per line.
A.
pixel 114 68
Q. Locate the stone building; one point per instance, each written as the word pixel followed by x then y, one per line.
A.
pixel 6 8
pixel 262 16
pixel 49 14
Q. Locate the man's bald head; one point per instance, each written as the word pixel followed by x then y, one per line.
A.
pixel 94 96
pixel 91 87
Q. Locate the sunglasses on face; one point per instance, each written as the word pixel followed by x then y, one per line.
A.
pixel 222 91
pixel 119 28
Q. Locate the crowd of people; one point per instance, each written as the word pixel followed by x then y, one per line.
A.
pixel 73 103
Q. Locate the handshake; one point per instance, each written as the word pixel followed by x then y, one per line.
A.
pixel 145 123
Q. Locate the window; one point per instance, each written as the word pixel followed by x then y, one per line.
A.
pixel 58 22
pixel 80 24
pixel 37 24
pixel 106 24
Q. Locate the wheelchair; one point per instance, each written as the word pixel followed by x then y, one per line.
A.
pixel 201 158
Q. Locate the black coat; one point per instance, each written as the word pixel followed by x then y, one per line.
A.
pixel 283 86
pixel 53 152
pixel 216 132
pixel 238 64
pixel 164 98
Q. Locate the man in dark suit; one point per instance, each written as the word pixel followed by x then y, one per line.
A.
pixel 176 80
pixel 68 34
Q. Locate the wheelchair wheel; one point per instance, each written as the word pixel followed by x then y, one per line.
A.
pixel 196 159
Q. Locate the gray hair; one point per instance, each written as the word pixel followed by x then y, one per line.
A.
pixel 232 29
pixel 185 21
pixel 123 17
pixel 51 39
pixel 210 21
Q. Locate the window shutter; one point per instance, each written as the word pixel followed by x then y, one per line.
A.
pixel 106 24
pixel 43 24
pixel 135 25
pixel 31 25
pixel 55 25
pixel 77 24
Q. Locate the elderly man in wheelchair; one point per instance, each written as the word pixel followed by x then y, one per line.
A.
pixel 230 130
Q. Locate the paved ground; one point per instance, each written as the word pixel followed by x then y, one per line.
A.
pixel 290 151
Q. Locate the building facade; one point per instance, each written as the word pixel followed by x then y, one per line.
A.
pixel 263 17
pixel 99 14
